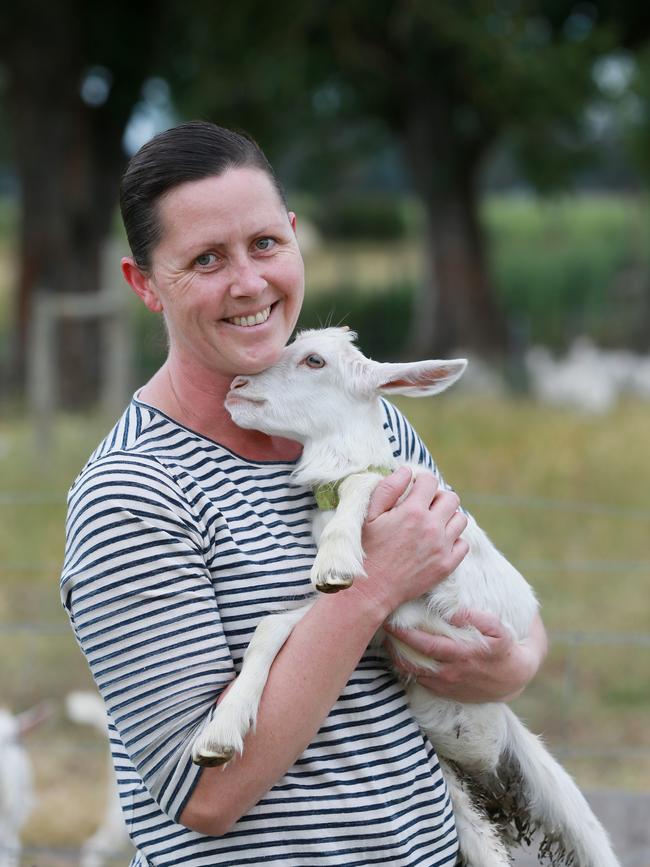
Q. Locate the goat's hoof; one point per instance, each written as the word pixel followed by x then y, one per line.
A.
pixel 334 583
pixel 212 758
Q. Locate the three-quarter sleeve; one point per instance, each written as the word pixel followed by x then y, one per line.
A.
pixel 144 610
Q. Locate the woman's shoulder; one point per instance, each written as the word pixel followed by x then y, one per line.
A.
pixel 141 446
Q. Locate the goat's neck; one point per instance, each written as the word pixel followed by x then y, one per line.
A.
pixel 332 455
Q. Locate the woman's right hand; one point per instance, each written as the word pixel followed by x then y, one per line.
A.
pixel 411 545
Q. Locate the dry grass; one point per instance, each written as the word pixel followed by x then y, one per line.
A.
pixel 589 565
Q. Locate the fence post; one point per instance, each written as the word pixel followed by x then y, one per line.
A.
pixel 109 306
pixel 41 381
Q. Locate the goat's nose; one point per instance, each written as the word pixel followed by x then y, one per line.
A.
pixel 238 382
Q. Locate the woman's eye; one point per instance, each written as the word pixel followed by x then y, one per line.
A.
pixel 205 260
pixel 264 244
pixel 314 361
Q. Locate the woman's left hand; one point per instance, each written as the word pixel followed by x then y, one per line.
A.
pixel 496 670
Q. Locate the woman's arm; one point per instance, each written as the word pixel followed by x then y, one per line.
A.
pixel 497 671
pixel 409 548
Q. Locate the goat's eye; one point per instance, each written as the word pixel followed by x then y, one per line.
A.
pixel 314 361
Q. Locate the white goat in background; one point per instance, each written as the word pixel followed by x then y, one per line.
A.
pixel 325 394
pixel 16 782
pixel 587 378
pixel 111 836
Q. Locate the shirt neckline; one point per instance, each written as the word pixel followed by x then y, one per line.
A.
pixel 252 461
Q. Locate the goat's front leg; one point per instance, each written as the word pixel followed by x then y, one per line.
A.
pixel 236 713
pixel 340 553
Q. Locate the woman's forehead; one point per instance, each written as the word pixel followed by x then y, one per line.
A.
pixel 238 198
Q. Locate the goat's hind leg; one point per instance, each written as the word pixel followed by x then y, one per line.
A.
pixel 479 842
pixel 235 715
pixel 554 802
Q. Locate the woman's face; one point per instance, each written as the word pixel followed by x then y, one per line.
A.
pixel 227 273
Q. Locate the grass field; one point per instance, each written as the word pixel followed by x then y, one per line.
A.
pixel 563 495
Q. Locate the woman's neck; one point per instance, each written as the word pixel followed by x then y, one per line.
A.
pixel 198 403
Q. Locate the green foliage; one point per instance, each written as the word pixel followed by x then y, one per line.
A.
pixel 637 129
pixel 7 220
pixel 560 267
pixel 363 217
pixel 382 318
pixel 149 342
pixel 564 267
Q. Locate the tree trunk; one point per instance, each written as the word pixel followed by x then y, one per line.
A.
pixel 455 308
pixel 68 157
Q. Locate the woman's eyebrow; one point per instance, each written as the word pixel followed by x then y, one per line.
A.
pixel 197 247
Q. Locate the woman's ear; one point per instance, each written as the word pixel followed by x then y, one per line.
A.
pixel 292 220
pixel 141 284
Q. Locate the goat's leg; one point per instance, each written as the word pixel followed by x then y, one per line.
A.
pixel 236 713
pixel 111 835
pixel 480 845
pixel 10 847
pixel 482 738
pixel 554 801
pixel 340 553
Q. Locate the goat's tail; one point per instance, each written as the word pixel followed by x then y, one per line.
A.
pixel 556 805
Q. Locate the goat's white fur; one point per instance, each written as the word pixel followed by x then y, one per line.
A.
pixel 16 785
pixel 333 409
pixel 111 836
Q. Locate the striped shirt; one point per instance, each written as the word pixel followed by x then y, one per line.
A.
pixel 176 548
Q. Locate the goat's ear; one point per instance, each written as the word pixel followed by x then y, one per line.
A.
pixel 419 378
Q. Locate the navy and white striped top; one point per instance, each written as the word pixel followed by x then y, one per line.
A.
pixel 176 547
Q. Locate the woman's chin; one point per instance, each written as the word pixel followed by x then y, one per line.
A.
pixel 252 364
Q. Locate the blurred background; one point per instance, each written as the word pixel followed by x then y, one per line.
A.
pixel 469 177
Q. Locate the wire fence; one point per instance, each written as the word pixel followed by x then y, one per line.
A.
pixel 558 701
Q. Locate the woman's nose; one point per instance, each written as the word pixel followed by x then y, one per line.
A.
pixel 246 281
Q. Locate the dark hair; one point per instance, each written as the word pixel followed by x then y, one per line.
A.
pixel 188 152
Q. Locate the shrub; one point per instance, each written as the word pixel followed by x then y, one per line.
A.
pixel 363 217
pixel 382 318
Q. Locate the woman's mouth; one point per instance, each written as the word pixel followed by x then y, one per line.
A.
pixel 252 319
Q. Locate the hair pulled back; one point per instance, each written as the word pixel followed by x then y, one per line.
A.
pixel 188 152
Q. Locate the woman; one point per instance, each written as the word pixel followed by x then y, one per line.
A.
pixel 184 530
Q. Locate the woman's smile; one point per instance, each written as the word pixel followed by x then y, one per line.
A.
pixel 250 320
pixel 228 273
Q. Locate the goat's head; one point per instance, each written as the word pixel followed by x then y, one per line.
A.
pixel 320 381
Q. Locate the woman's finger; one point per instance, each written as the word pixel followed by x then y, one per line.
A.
pixel 456 524
pixel 444 505
pixel 486 623
pixel 437 647
pixel 388 492
pixel 425 489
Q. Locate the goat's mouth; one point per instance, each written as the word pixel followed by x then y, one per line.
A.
pixel 235 395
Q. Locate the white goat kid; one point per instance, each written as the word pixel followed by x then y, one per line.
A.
pixel 16 782
pixel 324 393
pixel 111 837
